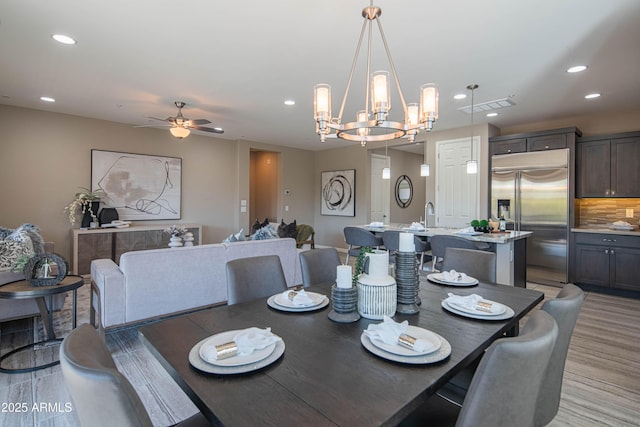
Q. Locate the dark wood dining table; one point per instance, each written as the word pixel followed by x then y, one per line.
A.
pixel 325 376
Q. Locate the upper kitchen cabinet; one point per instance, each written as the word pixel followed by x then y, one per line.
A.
pixel 534 141
pixel 607 166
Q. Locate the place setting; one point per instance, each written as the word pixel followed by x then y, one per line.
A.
pixel 404 343
pixel 452 278
pixel 476 307
pixel 237 351
pixel 297 300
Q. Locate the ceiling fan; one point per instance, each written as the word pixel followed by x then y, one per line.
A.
pixel 181 126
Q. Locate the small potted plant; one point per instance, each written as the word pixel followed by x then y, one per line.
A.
pixel 87 202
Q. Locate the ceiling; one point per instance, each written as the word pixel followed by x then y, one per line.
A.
pixel 235 62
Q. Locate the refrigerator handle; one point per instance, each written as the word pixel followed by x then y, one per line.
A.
pixel 518 216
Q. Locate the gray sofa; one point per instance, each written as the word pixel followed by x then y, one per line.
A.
pixel 159 282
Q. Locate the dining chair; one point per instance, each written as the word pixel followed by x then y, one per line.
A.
pixel 502 390
pixel 101 395
pixel 391 242
pixel 319 266
pixel 254 277
pixel 472 262
pixel 565 309
pixel 357 237
pixel 440 242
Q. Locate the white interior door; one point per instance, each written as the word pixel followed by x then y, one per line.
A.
pixel 379 190
pixel 456 191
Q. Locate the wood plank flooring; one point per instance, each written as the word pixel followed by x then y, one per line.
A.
pixel 601 382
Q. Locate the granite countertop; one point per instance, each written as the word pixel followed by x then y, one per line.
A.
pixel 503 237
pixel 605 230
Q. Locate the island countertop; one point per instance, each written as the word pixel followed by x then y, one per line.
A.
pixel 499 238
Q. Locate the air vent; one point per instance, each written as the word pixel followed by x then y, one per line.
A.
pixel 488 106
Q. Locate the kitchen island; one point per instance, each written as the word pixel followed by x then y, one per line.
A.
pixel 510 248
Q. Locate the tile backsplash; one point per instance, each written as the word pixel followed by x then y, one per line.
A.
pixel 599 212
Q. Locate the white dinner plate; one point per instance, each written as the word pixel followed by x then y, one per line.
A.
pixel 225 337
pixel 296 309
pixel 415 332
pixel 465 281
pixel 508 313
pixel 197 362
pixel 436 356
pixel 284 301
pixel 499 308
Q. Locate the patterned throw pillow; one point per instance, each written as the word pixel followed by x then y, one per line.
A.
pixel 264 233
pixel 257 225
pixel 288 230
pixel 11 250
pixel 238 237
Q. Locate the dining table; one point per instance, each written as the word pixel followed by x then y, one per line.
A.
pixel 326 376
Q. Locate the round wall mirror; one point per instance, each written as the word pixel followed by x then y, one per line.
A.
pixel 404 191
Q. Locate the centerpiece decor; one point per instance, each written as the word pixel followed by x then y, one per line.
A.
pixel 344 297
pixel 377 291
pixel 45 269
pixel 176 232
pixel 87 202
pixel 406 274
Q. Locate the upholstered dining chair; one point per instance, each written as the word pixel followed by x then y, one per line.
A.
pixel 440 242
pixel 502 389
pixel 101 395
pixel 472 262
pixel 565 309
pixel 254 277
pixel 319 266
pixel 391 242
pixel 357 237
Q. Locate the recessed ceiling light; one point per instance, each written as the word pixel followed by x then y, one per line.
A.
pixel 289 102
pixel 460 96
pixel 592 96
pixel 47 99
pixel 61 38
pixel 492 114
pixel 577 69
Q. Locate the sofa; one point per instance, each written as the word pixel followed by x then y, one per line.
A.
pixel 154 283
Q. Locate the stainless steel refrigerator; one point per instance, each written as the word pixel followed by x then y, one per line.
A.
pixel 531 191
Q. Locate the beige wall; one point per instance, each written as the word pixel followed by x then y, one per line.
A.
pixel 46 156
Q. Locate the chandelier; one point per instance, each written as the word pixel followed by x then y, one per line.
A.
pixel 372 123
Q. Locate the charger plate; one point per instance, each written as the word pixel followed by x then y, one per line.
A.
pixel 437 356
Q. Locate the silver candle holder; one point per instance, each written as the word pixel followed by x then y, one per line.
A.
pixel 344 303
pixel 407 282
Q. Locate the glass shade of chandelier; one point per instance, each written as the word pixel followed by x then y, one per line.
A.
pixel 372 123
pixel 472 164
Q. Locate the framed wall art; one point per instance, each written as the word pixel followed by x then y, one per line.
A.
pixel 338 193
pixel 141 187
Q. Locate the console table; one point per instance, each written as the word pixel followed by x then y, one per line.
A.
pixel 97 243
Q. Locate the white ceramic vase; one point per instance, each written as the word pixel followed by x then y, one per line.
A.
pixel 188 239
pixel 175 242
pixel 377 290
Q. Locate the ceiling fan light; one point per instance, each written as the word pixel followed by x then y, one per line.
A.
pixel 180 132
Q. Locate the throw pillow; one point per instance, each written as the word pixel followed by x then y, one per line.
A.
pixel 239 236
pixel 288 230
pixel 28 233
pixel 257 225
pixel 11 250
pixel 264 233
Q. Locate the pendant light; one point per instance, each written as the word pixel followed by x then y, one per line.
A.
pixel 386 171
pixel 472 165
pixel 424 168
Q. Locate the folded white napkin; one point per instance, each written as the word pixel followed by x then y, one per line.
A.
pixel 453 276
pixel 471 302
pixel 466 230
pixel 247 341
pixel 416 226
pixel 389 331
pixel 299 298
pixel 376 224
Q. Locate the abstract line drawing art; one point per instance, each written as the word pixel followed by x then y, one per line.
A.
pixel 339 193
pixel 141 187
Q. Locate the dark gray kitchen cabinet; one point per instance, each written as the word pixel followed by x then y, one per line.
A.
pixel 534 141
pixel 608 166
pixel 608 260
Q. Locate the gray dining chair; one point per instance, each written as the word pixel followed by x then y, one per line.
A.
pixel 101 395
pixel 391 242
pixel 472 262
pixel 357 237
pixel 440 242
pixel 565 309
pixel 254 277
pixel 319 266
pixel 502 390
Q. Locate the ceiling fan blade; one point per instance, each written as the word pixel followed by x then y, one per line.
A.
pixel 156 125
pixel 198 122
pixel 206 129
pixel 155 118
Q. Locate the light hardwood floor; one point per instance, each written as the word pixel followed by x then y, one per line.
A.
pixel 601 383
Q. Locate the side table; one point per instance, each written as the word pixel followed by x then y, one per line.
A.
pixel 22 289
